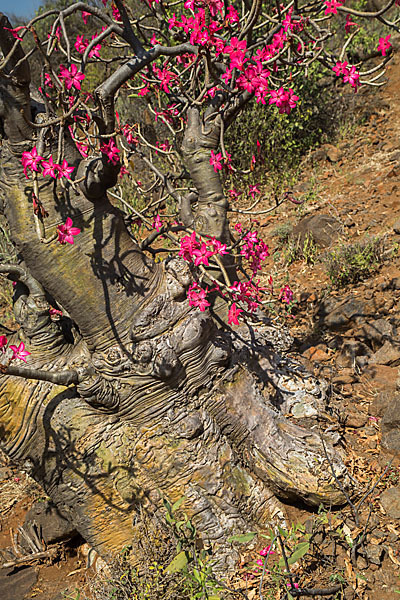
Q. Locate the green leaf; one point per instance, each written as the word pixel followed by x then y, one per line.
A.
pixel 178 563
pixel 300 551
pixel 177 504
pixel 243 538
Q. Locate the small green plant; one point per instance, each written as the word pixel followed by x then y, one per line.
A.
pixel 296 250
pixel 350 264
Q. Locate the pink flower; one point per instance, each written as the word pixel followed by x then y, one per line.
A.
pixel 352 76
pixel 198 298
pixel 253 190
pixel 3 343
pixel 15 31
pixel 66 232
pixel 64 170
pixel 111 151
pixel 340 68
pixel 384 44
pixel 233 315
pixel 81 44
pixel 85 16
pixel 82 149
pixel 188 245
pixel 30 160
pixel 157 223
pixel 19 352
pixel 266 551
pixel 295 585
pixel 286 294
pixel 201 255
pixel 215 161
pixel 349 24
pixel 331 7
pixel 72 77
pixel 49 168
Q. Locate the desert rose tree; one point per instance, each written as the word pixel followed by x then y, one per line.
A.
pixel 132 379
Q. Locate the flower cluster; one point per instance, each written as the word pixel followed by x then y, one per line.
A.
pixel 350 74
pixel 82 43
pixel 31 161
pixel 254 250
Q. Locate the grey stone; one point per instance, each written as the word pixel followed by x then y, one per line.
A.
pixel 390 500
pixel 376 331
pixel 381 402
pixel 396 226
pixel 388 354
pixel 52 525
pixel 323 229
pixel 374 554
pixel 340 316
pixel 391 426
pixel 15 584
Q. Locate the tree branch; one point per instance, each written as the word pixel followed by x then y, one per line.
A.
pixel 58 377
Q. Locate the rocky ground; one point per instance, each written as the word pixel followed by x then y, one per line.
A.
pixel 340 252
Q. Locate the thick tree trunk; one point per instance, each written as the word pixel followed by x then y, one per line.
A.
pixel 158 399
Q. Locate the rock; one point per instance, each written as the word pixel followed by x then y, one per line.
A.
pixel 374 554
pixel 53 526
pixel 381 377
pixel 396 226
pixel 333 153
pixel 380 403
pixel 391 426
pixel 389 354
pixel 5 473
pixel 356 420
pixel 376 331
pixel 15 584
pixel 323 230
pixel 341 314
pixel 390 500
pixel 361 563
pixel 317 353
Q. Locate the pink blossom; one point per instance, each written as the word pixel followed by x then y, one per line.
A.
pixel 266 551
pixel 331 7
pixel 253 190
pixel 64 170
pixel 349 24
pixel 384 44
pixel 215 161
pixel 85 16
pixel 340 68
pixel 201 255
pixel 81 44
pixel 15 31
pixel 49 168
pixel 352 76
pixel 83 149
pixel 66 232
pixel 31 160
pixel 157 223
pixel 235 45
pixel 19 352
pixel 188 245
pixel 197 297
pixel 286 294
pixel 72 77
pixel 111 151
pixel 233 314
pixel 3 343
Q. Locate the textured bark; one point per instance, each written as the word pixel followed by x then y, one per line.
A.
pixel 163 400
